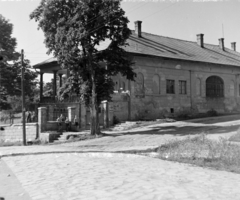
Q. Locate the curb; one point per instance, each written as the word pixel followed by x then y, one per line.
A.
pixel 133 151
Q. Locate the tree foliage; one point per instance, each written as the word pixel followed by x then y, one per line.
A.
pixel 10 69
pixel 74 30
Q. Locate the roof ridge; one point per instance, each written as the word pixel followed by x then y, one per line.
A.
pixel 178 39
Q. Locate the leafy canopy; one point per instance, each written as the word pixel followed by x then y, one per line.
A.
pixel 74 30
pixel 10 74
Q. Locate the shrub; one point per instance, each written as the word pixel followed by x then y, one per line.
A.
pixel 115 120
pixel 212 113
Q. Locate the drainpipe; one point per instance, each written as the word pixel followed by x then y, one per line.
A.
pixel 190 72
pixel 129 101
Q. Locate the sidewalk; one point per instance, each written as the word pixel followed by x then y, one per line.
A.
pixel 10 187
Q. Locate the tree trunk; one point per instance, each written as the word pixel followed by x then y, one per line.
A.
pixel 95 130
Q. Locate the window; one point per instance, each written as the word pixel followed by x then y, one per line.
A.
pixel 182 87
pixel 214 86
pixel 139 84
pixel 170 87
pixel 156 84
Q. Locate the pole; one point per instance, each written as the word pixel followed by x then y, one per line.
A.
pixel 23 100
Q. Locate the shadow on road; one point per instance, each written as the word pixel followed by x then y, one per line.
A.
pixel 179 131
pixel 215 120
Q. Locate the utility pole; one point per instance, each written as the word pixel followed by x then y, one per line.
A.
pixel 23 100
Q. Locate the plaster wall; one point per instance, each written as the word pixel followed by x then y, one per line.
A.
pixel 152 103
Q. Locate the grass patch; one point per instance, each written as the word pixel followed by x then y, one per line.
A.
pixel 235 137
pixel 203 152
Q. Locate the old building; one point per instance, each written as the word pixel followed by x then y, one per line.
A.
pixel 173 76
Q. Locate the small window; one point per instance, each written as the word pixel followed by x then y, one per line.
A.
pixel 170 87
pixel 182 87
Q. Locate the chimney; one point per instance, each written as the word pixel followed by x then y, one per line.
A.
pixel 138 28
pixel 233 45
pixel 221 43
pixel 200 40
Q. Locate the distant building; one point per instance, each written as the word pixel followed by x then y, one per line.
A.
pixel 173 76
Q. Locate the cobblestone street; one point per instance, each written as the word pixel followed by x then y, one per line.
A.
pixel 118 176
pixel 87 169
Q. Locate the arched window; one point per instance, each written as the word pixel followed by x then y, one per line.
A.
pixel 198 87
pixel 214 87
pixel 156 84
pixel 231 89
pixel 139 84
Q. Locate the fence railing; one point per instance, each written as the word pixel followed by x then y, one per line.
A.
pixel 71 99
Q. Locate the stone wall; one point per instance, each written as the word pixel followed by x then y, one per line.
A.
pixel 54 110
pixel 15 133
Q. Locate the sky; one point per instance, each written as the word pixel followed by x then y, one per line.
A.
pixel 172 18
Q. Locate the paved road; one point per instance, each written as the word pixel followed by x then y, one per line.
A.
pixel 66 172
pixel 119 176
pixel 140 138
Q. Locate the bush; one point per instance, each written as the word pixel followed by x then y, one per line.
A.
pixel 115 120
pixel 212 113
pixel 185 114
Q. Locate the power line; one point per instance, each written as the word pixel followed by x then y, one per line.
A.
pixel 160 10
pixel 96 17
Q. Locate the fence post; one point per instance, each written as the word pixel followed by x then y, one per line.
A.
pixel 83 117
pixel 105 114
pixel 42 119
pixel 71 113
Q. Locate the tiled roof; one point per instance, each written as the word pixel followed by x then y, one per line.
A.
pixel 161 46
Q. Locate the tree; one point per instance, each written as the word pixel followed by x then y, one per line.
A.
pixel 10 74
pixel 73 31
pixel 48 89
